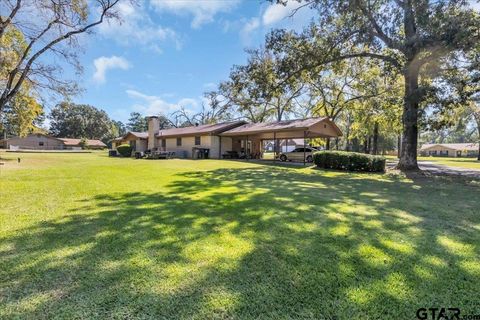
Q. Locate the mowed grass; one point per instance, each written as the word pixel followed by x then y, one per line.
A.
pixel 87 236
pixel 468 163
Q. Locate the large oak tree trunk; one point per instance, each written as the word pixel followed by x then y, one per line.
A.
pixel 478 158
pixel 347 138
pixel 477 119
pixel 399 146
pixel 408 156
pixel 375 139
pixel 355 145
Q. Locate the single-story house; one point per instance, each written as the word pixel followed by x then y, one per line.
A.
pixel 138 140
pixel 450 150
pixel 183 140
pixel 38 141
pixel 235 136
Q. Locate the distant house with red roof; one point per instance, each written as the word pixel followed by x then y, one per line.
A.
pixel 40 141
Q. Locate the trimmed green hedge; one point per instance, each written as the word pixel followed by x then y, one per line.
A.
pixel 125 150
pixel 350 161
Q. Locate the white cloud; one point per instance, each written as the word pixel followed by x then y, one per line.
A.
pixel 251 25
pixel 103 64
pixel 276 12
pixel 136 27
pixel 188 103
pixel 273 15
pixel 210 85
pixel 247 29
pixel 152 105
pixel 202 11
pixel 475 5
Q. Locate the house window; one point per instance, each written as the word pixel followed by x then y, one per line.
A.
pixel 40 143
pixel 179 142
pixel 164 143
pixel 197 140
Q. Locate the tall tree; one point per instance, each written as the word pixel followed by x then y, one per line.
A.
pixel 462 99
pixel 336 91
pixel 22 115
pixel 121 128
pixel 412 37
pixel 137 122
pixel 241 98
pixel 68 120
pixel 475 114
pixel 258 92
pixel 51 30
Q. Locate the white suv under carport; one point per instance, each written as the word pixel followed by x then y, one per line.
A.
pixel 297 154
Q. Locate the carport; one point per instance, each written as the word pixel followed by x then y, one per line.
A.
pixel 249 138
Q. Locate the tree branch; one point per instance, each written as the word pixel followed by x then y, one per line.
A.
pixel 10 92
pixel 4 23
pixel 378 30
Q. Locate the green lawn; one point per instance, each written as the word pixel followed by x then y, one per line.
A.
pixel 468 163
pixel 87 236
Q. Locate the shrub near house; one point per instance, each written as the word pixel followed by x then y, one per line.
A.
pixel 125 150
pixel 349 161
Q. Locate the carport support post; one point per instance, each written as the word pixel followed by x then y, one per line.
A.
pixel 220 147
pixel 274 146
pixel 304 146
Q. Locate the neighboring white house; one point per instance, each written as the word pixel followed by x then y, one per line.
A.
pixel 450 150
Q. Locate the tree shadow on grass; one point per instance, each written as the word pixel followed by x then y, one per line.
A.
pixel 260 242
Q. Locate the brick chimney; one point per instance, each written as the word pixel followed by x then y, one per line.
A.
pixel 153 128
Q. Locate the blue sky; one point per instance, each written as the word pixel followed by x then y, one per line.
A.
pixel 166 53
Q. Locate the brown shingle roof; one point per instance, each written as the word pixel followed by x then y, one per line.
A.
pixel 285 125
pixel 201 129
pixel 141 135
pixel 76 142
